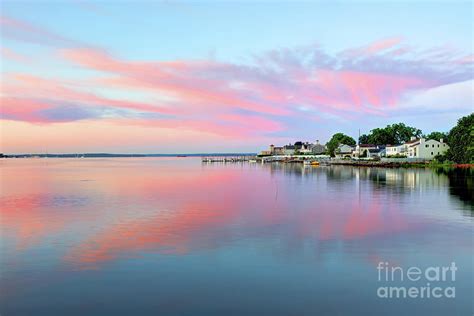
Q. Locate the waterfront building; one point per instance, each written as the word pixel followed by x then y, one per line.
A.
pixel 426 149
pixel 343 151
pixel 364 150
pixel 289 149
pixel 317 148
pixel 396 150
pixel 306 148
pixel 401 149
pixel 299 147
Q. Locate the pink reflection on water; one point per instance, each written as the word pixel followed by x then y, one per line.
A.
pixel 186 209
pixel 23 218
pixel 133 206
pixel 33 206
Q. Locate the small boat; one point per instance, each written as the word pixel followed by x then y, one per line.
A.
pixel 314 163
pixel 252 160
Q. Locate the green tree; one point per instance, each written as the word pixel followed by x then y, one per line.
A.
pixel 461 141
pixel 437 136
pixel 381 136
pixel 391 134
pixel 403 133
pixel 363 139
pixel 338 139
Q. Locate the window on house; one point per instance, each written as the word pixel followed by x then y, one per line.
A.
pixel 427 145
pixel 433 145
pixel 431 153
pixel 438 145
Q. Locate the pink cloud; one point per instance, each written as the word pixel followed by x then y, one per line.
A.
pixel 382 45
pixel 23 31
pixel 387 46
pixel 469 59
pixel 24 96
pixel 218 87
pixel 232 126
pixel 258 98
pixel 9 54
pixel 22 109
pixel 251 122
pixel 27 86
pixel 362 89
pixel 186 80
pixel 206 96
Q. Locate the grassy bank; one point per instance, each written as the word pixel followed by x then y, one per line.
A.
pixel 401 164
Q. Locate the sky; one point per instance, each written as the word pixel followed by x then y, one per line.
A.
pixel 226 76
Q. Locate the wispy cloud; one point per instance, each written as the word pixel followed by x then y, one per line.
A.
pixel 380 46
pixel 264 95
pixel 21 30
pixel 278 83
pixel 9 54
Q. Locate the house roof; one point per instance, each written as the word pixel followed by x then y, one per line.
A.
pixel 412 141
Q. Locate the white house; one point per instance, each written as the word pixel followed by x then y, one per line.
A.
pixel 397 150
pixel 400 150
pixel 426 149
pixel 306 148
pixel 343 151
pixel 364 150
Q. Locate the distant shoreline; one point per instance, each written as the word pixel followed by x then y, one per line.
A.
pixel 110 155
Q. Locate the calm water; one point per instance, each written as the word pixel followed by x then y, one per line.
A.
pixel 172 236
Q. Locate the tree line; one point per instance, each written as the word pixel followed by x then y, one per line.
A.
pixel 460 139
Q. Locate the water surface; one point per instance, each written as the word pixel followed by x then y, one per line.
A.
pixel 172 236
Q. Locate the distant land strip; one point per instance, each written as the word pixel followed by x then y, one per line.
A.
pixel 110 155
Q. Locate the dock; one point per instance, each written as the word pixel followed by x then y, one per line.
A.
pixel 227 159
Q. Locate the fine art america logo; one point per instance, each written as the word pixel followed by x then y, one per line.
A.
pixel 415 282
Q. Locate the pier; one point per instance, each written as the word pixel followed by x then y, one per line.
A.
pixel 227 159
